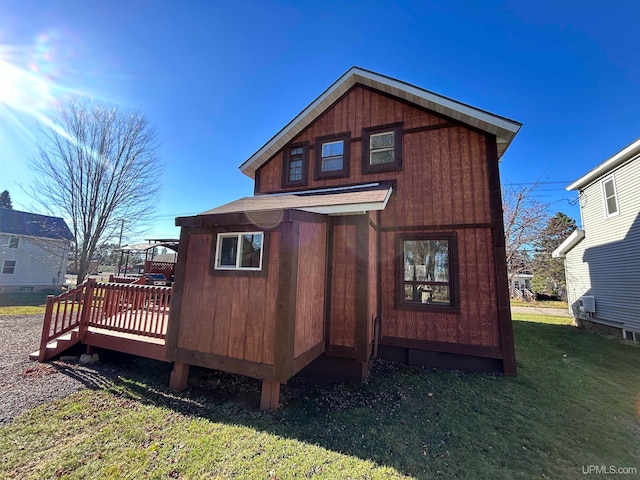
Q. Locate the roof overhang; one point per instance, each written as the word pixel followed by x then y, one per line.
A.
pixel 329 201
pixel 503 128
pixel 143 247
pixel 607 166
pixel 570 242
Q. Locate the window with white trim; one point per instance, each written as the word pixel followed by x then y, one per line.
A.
pixel 239 251
pixel 610 197
pixel 14 242
pixel 8 267
pixel 332 156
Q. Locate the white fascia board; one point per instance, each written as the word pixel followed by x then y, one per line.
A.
pixel 475 117
pixel 606 166
pixel 504 128
pixel 570 242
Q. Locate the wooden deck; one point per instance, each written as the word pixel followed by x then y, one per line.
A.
pixel 122 317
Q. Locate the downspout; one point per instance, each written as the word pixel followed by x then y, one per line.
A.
pixel 376 336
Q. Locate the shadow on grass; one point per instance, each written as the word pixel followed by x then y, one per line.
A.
pixel 573 403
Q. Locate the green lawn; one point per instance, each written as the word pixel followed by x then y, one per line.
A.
pixel 540 303
pixel 22 310
pixel 574 403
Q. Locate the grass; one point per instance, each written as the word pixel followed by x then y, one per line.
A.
pixel 574 403
pixel 22 310
pixel 540 303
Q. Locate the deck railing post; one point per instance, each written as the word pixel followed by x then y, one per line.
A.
pixel 86 307
pixel 46 328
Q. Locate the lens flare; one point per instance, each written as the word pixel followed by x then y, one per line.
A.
pixel 32 83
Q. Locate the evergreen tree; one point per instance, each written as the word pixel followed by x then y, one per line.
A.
pixel 548 272
pixel 5 200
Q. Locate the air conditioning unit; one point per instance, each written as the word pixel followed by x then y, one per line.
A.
pixel 588 304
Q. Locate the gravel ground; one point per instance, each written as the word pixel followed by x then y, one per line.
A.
pixel 25 384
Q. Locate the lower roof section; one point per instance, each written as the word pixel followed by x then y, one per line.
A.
pixel 328 201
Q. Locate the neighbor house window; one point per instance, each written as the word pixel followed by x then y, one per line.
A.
pixel 295 166
pixel 239 251
pixel 332 156
pixel 426 271
pixel 382 148
pixel 14 242
pixel 8 267
pixel 610 197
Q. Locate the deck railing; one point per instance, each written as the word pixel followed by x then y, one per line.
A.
pixel 128 308
pixel 141 310
pixel 62 314
pixel 137 280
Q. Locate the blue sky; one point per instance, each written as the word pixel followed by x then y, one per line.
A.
pixel 218 79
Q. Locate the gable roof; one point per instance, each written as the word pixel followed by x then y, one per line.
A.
pixel 328 201
pixel 504 128
pixel 14 222
pixel 627 153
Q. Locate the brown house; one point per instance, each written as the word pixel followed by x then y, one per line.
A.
pixel 376 228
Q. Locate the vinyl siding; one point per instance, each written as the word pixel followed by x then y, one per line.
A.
pixel 606 264
pixel 40 263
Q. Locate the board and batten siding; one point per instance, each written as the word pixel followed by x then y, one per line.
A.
pixel 310 299
pixel 226 316
pixel 606 263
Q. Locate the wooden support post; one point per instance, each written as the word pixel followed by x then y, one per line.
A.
pixel 46 328
pixel 179 376
pixel 89 350
pixel 270 397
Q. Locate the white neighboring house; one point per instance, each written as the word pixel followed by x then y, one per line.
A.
pixel 602 260
pixel 33 251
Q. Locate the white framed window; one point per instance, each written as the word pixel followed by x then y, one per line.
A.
pixel 610 197
pixel 239 251
pixel 332 156
pixel 14 242
pixel 8 267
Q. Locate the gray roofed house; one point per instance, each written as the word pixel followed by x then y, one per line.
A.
pixel 33 251
pixel 15 222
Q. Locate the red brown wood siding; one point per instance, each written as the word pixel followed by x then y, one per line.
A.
pixel 342 317
pixel 443 185
pixel 228 316
pixel 309 329
pixel 477 322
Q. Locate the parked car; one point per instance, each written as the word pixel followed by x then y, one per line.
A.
pixel 157 279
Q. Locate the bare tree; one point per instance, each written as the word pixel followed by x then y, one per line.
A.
pixel 97 166
pixel 525 218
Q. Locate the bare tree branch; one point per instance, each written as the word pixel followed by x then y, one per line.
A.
pixel 97 166
pixel 525 218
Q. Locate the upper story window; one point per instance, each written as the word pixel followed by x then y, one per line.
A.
pixel 8 267
pixel 426 272
pixel 239 251
pixel 610 197
pixel 382 148
pixel 14 242
pixel 332 156
pixel 296 161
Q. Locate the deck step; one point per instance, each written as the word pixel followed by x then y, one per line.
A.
pixel 60 344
